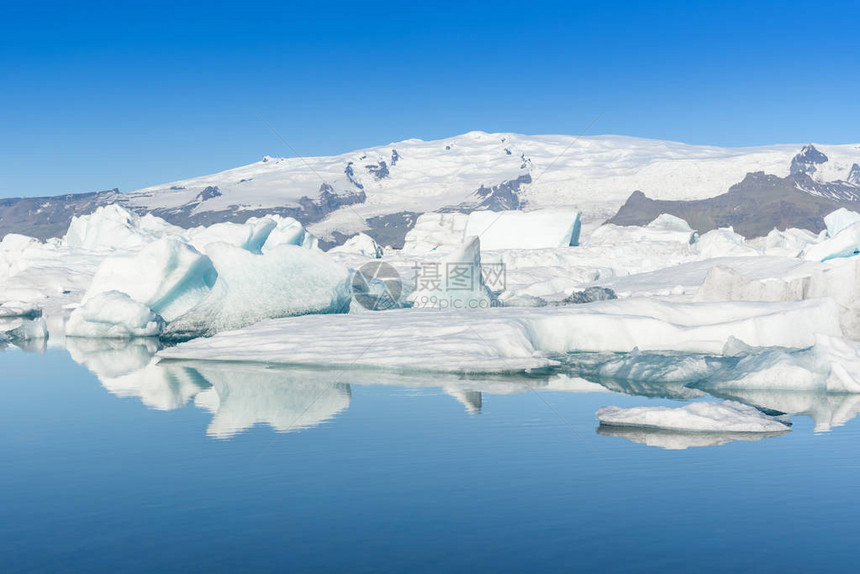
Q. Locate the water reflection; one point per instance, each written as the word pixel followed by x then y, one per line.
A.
pixel 242 395
pixel 128 368
pixel 827 411
pixel 673 440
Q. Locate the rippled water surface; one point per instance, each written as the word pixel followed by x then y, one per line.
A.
pixel 114 463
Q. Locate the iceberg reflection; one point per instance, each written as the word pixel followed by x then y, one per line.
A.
pixel 242 396
pixel 128 368
pixel 827 410
pixel 675 440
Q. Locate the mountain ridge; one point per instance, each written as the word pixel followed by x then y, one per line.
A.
pixel 388 186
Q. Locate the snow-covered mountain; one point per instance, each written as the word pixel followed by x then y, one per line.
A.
pixel 386 186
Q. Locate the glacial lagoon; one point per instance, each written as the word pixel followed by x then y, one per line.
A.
pixel 115 462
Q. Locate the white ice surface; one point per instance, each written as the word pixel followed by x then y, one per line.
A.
pixel 113 315
pixel 287 280
pixel 359 244
pixel 510 339
pixel 704 417
pixel 455 282
pixel 168 275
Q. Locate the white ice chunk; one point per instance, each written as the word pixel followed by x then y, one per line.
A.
pixel 831 365
pixel 436 232
pixel 113 315
pixel 704 417
pixel 168 276
pixel 24 330
pixel 288 231
pixel 513 339
pixel 664 229
pixel 539 229
pixel 456 283
pixel 360 244
pixel 846 243
pixel 286 281
pixel 250 236
pixel 840 219
pixel 723 242
pixel 12 309
pixel 112 227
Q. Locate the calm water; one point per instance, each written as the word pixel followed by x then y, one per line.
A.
pixel 113 464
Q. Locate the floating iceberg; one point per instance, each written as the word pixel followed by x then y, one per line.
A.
pixel 724 242
pixel 16 309
pixel 112 227
pixel 360 244
pixel 286 281
pixel 702 417
pixel 837 280
pixel 250 236
pixel 840 219
pixel 113 315
pixel 845 243
pixel 497 230
pixel 664 229
pixel 288 231
pixel 456 282
pixel 831 365
pixel 541 229
pixel 515 339
pixel 168 276
pixel 22 330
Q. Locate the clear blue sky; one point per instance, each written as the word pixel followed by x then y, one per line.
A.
pixel 94 95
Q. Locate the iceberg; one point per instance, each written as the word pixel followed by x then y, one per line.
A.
pixel 286 281
pixel 840 219
pixel 111 227
pixel 455 282
pixel 168 276
pixel 16 309
pixel 540 229
pixel 724 242
pixel 837 280
pixel 845 243
pixel 664 229
pixel 515 339
pixel 250 236
pixel 288 231
pixel 23 330
pixel 831 365
pixel 113 315
pixel 700 417
pixel 360 244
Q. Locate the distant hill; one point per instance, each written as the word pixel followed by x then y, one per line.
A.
pixel 759 203
pixel 382 189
